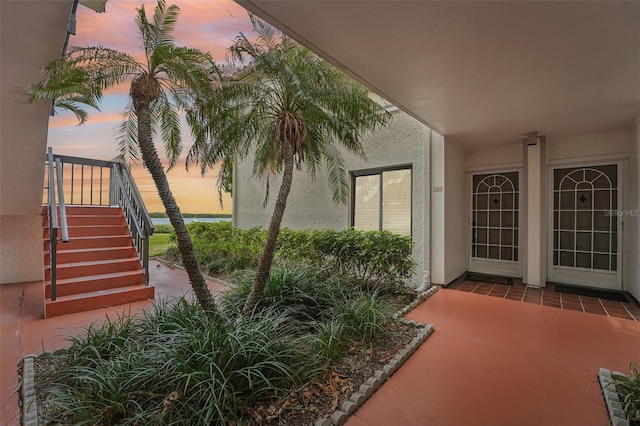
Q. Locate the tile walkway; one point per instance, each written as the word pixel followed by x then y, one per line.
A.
pixel 549 297
pixel 494 361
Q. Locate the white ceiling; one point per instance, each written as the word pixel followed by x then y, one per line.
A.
pixel 482 73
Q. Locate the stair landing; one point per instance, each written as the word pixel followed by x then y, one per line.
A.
pixel 98 267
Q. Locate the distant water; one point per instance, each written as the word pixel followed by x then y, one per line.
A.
pixel 165 220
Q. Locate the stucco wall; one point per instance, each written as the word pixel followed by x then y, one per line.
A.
pixel 584 148
pixel 631 272
pixel 20 249
pixel 456 212
pixel 32 34
pixel 310 204
pixel 495 158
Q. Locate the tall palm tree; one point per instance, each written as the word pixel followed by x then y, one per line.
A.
pixel 285 106
pixel 168 79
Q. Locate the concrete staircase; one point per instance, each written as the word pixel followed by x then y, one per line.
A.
pixel 98 267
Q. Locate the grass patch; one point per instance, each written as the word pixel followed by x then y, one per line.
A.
pixel 159 244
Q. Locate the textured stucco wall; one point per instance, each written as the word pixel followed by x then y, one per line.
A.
pixel 21 249
pixel 32 34
pixel 310 204
pixel 456 212
pixel 631 272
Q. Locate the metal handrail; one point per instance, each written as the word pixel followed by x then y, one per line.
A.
pixel 53 218
pixel 63 207
pixel 53 223
pixel 138 198
pixel 127 201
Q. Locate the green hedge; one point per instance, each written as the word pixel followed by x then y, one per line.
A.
pixel 370 257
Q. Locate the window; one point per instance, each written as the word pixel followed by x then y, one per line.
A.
pixel 382 200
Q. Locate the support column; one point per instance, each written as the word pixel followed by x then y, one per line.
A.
pixel 437 203
pixel 535 236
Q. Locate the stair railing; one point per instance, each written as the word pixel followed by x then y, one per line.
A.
pixel 91 182
pixel 53 215
pixel 124 193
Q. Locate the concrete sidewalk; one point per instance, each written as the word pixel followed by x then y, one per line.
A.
pixel 493 361
pixel 24 331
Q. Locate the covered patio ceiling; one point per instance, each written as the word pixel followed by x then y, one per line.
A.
pixel 482 73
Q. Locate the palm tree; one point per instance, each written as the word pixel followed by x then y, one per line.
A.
pixel 168 79
pixel 285 106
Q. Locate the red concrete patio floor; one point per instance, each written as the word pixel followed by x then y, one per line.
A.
pixel 24 331
pixel 493 361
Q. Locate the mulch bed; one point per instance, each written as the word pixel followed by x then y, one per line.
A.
pixel 321 397
pixel 303 406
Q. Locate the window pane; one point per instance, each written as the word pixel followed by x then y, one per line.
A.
pixel 396 201
pixel 367 203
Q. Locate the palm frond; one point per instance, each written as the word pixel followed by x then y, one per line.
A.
pixel 159 32
pixel 69 104
pixel 166 118
pixel 337 174
pixel 127 134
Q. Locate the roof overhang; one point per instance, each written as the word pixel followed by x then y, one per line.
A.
pixel 97 5
pixel 482 73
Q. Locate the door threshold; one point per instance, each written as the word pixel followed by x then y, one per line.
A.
pixel 618 296
pixel 486 278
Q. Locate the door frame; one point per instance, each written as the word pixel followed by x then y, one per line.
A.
pixel 584 276
pixel 485 269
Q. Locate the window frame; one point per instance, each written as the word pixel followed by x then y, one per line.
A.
pixel 379 171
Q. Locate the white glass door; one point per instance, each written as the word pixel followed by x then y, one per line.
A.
pixel 495 219
pixel 585 244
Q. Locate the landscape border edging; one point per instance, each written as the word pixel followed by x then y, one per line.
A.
pixel 367 389
pixel 28 392
pixel 611 400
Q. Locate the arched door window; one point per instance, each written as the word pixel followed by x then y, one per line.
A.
pixel 584 223
pixel 495 217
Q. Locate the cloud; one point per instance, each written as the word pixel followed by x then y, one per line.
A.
pixel 206 25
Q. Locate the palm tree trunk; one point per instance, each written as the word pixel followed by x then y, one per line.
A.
pixel 266 258
pixel 153 164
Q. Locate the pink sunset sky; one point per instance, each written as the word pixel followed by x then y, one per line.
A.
pixel 208 25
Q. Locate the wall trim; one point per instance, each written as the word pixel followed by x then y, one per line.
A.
pixel 495 167
pixel 588 159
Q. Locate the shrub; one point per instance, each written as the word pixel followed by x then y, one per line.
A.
pixel 302 293
pixel 163 229
pixel 175 365
pixel 364 315
pixel 373 258
pixel 221 248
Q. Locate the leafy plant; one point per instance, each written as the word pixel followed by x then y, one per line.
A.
pixel 629 390
pixel 373 258
pixel 330 341
pixel 364 315
pixel 175 365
